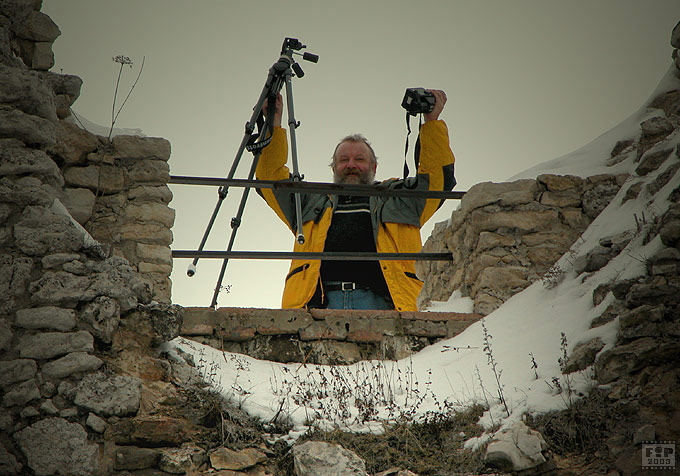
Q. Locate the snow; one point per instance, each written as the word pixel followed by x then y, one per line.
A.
pixel 457 371
pixel 99 130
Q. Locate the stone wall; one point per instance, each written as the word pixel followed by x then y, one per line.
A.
pixel 84 246
pixel 324 336
pixel 505 236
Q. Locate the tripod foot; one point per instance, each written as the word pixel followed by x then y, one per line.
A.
pixel 301 238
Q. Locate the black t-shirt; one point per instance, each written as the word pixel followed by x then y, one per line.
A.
pixel 351 230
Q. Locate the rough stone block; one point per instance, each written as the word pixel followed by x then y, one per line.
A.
pixel 525 221
pixel 21 394
pixel 149 171
pixel 561 199
pixel 148 431
pixel 80 203
pixel 509 277
pixel 118 395
pixel 154 254
pixel 27 128
pixel 133 458
pixel 55 446
pixel 150 193
pixel 506 194
pixel 26 91
pixel 38 27
pixel 48 345
pixel 48 317
pixel 21 161
pixel 136 147
pixel 18 370
pixel 100 178
pixel 70 364
pixel 560 183
pixel 150 212
pixel 426 329
pixel 319 330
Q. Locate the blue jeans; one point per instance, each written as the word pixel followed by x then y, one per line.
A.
pixel 357 299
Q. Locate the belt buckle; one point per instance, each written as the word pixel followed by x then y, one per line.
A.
pixel 347 286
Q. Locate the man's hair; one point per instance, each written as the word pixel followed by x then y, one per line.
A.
pixel 355 138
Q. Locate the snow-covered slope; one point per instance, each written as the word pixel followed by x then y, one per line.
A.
pixel 528 326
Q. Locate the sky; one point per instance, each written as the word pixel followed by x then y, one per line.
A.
pixel 528 328
pixel 526 81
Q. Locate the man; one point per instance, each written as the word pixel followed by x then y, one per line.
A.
pixel 359 224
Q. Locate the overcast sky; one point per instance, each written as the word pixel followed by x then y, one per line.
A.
pixel 527 81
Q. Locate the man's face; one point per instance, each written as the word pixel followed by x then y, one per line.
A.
pixel 353 164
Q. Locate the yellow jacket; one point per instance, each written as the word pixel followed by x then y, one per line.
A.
pixel 396 220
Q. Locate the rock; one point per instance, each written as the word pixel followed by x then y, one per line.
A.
pixel 117 395
pixel 560 183
pixel 506 194
pixel 21 393
pixel 26 91
pixel 154 253
pixel 624 359
pixel 55 446
pixel 150 212
pixel 48 345
pixel 41 231
pixel 225 458
pixel 136 147
pixel 115 278
pixel 598 197
pixel 73 143
pixel 132 458
pixel 6 335
pixel 516 448
pixel 47 407
pixel 70 364
pixel 149 171
pixel 95 423
pixel 596 259
pixel 148 431
pixel 102 317
pixel 49 317
pixel 98 178
pixel 80 203
pixel 14 280
pixel 58 288
pixel 316 458
pixel 38 27
pixel 8 463
pixel 18 370
pixel 22 193
pixel 162 322
pixel 20 161
pixel 583 355
pixel 644 433
pixel 16 10
pixel 652 161
pixel 178 460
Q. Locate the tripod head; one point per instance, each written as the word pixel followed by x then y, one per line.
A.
pixel 290 47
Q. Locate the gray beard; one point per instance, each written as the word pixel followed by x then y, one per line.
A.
pixel 365 178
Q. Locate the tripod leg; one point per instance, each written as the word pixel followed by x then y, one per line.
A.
pixel 293 147
pixel 273 84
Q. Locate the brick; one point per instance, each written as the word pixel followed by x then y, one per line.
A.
pixel 323 330
pixel 365 336
pixel 426 329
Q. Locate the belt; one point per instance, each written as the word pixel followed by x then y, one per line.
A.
pixel 343 286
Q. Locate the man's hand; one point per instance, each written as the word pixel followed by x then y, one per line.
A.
pixel 439 101
pixel 279 109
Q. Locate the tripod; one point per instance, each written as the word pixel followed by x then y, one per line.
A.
pixel 280 74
